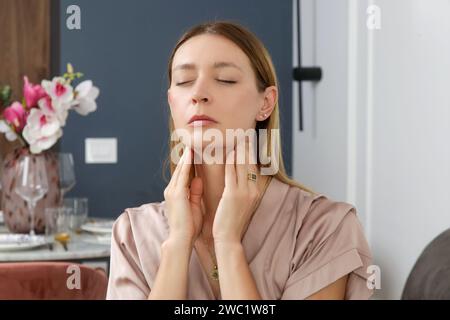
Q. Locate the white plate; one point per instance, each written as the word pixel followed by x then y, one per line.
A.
pixel 10 242
pixel 98 239
pixel 98 226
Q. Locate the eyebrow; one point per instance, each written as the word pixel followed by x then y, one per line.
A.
pixel 217 65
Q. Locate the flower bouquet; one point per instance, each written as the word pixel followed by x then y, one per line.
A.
pixel 37 122
pixel 38 119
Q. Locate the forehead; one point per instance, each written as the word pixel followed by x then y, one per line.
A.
pixel 206 50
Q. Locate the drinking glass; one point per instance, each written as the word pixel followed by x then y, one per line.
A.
pixel 57 224
pixel 79 215
pixel 66 173
pixel 31 183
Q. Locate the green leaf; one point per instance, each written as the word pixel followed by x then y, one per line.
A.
pixel 5 95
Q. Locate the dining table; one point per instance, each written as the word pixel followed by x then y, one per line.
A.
pixel 83 247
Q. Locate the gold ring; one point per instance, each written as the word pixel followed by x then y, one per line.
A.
pixel 251 176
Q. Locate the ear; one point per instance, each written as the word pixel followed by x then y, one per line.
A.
pixel 270 98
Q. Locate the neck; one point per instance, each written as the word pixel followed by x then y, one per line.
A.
pixel 213 178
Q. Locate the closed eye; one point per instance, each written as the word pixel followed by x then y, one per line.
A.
pixel 182 83
pixel 226 81
pixel 220 80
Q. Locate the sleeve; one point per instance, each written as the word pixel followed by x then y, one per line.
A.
pixel 126 280
pixel 335 247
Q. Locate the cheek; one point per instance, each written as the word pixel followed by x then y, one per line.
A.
pixel 176 108
pixel 243 109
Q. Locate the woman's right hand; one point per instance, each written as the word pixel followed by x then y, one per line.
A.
pixel 183 201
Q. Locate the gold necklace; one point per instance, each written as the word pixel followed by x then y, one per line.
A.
pixel 215 271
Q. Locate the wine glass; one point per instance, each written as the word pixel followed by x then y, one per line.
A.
pixel 66 173
pixel 31 183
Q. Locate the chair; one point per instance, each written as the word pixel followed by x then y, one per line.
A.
pixel 51 281
pixel 430 276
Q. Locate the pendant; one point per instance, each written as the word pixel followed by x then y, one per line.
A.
pixel 215 273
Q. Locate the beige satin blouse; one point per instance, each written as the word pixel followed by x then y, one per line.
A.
pixel 296 244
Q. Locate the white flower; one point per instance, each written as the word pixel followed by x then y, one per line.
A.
pixel 59 99
pixel 6 129
pixel 41 131
pixel 55 108
pixel 86 94
pixel 58 90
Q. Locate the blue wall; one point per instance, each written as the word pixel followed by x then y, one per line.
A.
pixel 123 46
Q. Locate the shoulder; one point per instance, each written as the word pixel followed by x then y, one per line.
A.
pixel 145 222
pixel 328 243
pixel 136 239
pixel 321 215
pixel 320 219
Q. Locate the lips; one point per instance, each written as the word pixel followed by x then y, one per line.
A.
pixel 201 120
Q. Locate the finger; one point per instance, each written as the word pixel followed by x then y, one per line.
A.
pixel 252 165
pixel 178 167
pixel 183 176
pixel 241 166
pixel 253 154
pixel 230 173
pixel 196 191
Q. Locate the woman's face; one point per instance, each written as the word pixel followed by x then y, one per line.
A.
pixel 212 76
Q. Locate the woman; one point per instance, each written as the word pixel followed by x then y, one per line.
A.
pixel 226 230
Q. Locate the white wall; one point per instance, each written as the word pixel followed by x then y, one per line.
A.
pixel 323 141
pixel 410 128
pixel 396 155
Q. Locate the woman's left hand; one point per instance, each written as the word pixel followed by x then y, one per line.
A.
pixel 239 197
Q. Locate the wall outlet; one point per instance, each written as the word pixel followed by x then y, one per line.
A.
pixel 100 150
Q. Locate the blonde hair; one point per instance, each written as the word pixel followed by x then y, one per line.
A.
pixel 262 65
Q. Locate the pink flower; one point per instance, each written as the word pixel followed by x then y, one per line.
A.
pixel 42 130
pixel 32 93
pixel 16 116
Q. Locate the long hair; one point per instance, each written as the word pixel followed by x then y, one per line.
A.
pixel 263 67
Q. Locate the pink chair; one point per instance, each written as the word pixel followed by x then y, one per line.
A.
pixel 49 281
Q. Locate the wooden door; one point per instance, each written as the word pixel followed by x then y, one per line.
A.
pixel 24 48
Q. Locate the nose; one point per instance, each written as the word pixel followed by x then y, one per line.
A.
pixel 200 93
pixel 197 98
